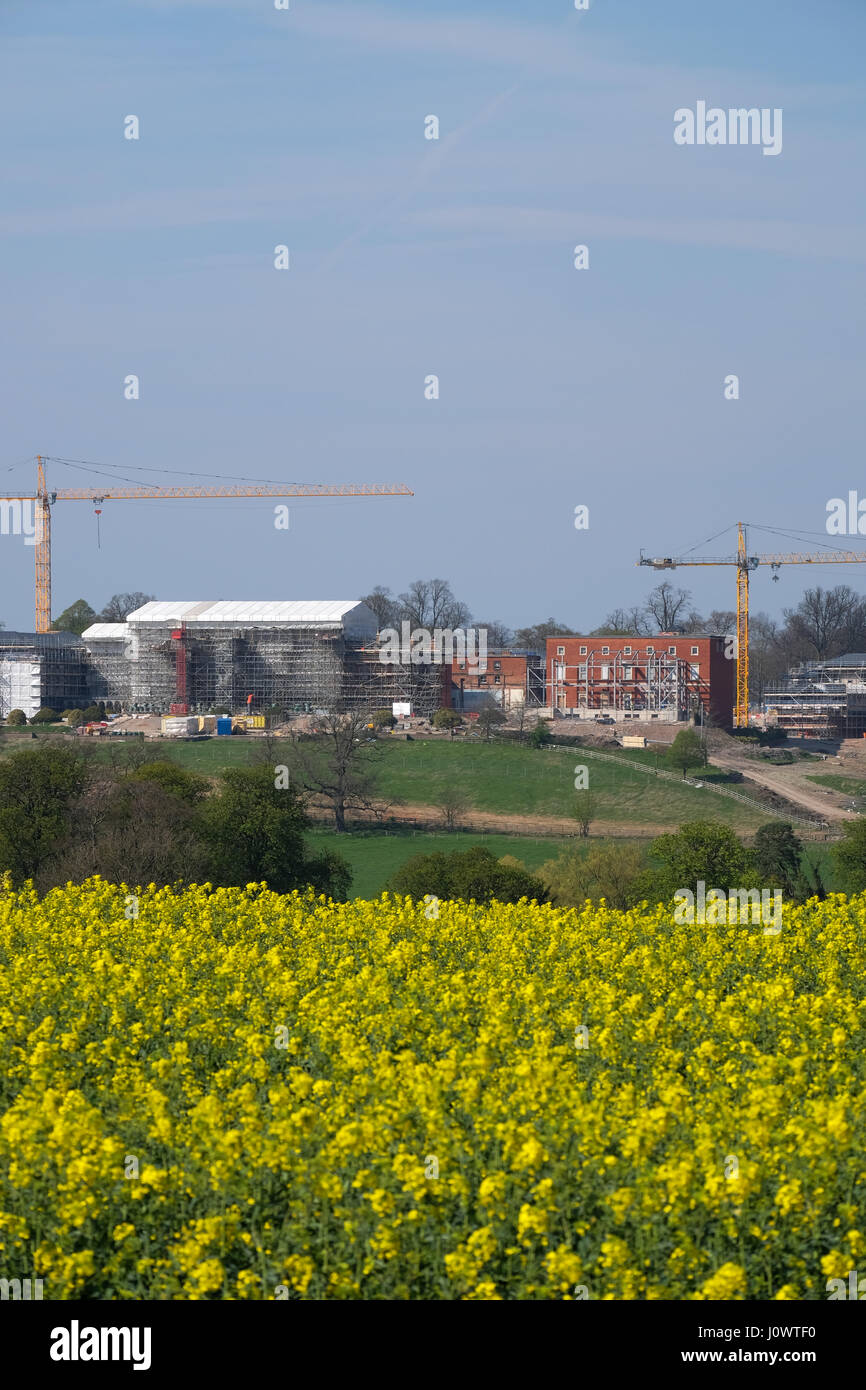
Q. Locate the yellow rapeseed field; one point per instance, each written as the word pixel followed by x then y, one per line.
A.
pixel 238 1095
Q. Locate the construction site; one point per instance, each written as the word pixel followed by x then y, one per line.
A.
pixel 284 657
pixel 192 658
pixel 820 700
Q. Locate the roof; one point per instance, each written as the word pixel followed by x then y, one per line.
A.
pixel 315 613
pixel 849 659
pixel 102 632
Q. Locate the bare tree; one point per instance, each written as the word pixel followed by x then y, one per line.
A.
pixel 430 603
pixel 337 763
pixel 534 638
pixel 665 604
pixel 119 606
pixel 624 622
pixel 453 804
pixel 498 635
pixel 386 608
pixel 693 622
pixel 128 832
pixel 826 619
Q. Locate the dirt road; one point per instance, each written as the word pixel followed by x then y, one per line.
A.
pixel 787 782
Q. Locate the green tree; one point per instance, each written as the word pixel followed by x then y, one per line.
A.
pixel 584 810
pixel 93 714
pixel 778 855
pixel 37 789
pixel 687 751
pixel 75 618
pixel 256 833
pixel 490 718
pixel 73 717
pixel 16 717
pixel 45 715
pixel 174 780
pixel 849 857
pixel 609 870
pixel 539 736
pixel 445 718
pixel 128 832
pixel 383 719
pixel 468 875
pixel 700 851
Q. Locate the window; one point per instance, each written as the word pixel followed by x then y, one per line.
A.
pixel 650 650
pixel 605 651
pixel 560 672
pixel 672 651
pixel 695 671
pixel 560 651
pixel 605 673
pixel 581 671
pixel 497 680
pixel 461 666
pixel 627 670
pixel 482 680
pixel 694 651
pixel 497 665
pixel 582 651
pixel 626 651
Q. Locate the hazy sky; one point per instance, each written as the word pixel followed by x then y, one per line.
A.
pixel 412 257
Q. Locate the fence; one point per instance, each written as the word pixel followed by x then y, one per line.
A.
pixel 705 786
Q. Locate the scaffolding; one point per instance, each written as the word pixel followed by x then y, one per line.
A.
pixel 286 670
pixel 821 700
pixel 658 686
pixel 51 666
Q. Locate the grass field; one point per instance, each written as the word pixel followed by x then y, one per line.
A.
pixel 505 779
pixel 849 786
pixel 375 856
pixel 496 777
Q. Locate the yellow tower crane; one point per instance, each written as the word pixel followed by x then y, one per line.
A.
pixel 45 497
pixel 745 563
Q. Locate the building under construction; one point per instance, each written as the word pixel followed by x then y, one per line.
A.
pixel 668 677
pixel 821 699
pixel 43 668
pixel 280 656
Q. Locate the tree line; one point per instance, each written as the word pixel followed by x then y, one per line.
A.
pixel 825 623
pixel 627 875
pixel 138 818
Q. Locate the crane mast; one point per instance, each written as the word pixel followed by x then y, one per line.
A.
pixel 745 563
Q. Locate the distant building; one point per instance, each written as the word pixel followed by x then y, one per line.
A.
pixel 668 677
pixel 190 657
pixel 39 669
pixel 820 699
pixel 510 678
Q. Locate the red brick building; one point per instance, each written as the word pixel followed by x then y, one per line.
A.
pixel 510 678
pixel 665 677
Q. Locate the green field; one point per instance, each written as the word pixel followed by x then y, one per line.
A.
pixel 849 786
pixel 503 778
pixel 497 777
pixel 375 856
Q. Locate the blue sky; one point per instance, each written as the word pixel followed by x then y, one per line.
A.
pixel 409 257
